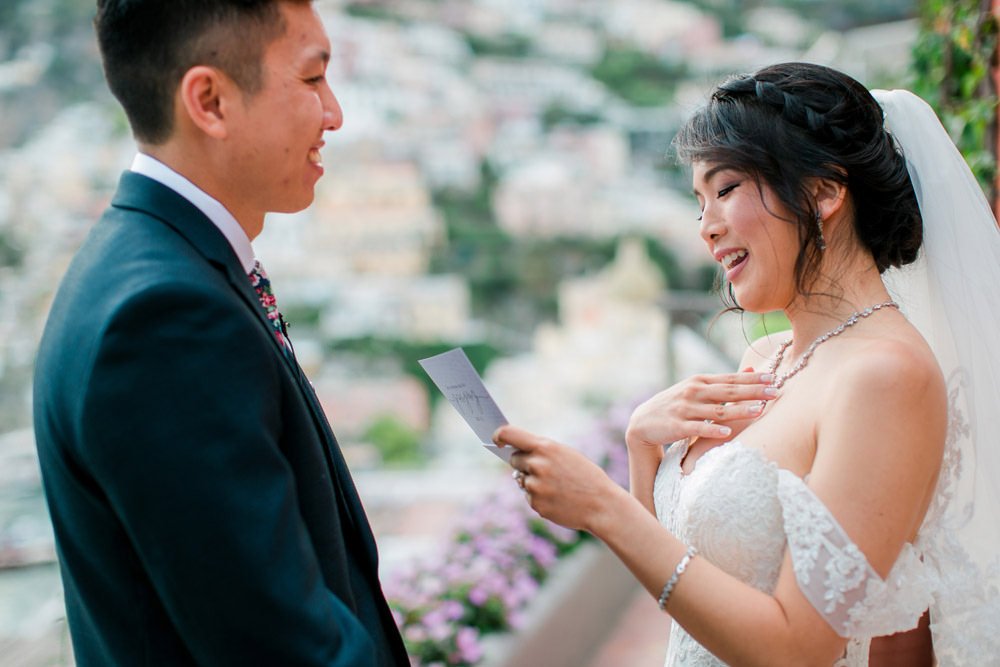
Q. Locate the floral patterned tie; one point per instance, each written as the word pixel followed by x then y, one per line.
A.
pixel 262 285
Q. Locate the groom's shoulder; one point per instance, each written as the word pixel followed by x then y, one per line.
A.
pixel 121 256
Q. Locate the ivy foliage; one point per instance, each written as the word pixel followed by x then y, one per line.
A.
pixel 952 62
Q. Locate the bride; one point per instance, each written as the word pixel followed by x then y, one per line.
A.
pixel 839 486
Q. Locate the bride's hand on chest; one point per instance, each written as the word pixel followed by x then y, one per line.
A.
pixel 784 432
pixel 702 406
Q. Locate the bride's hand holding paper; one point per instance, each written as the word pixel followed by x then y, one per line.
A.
pixel 560 483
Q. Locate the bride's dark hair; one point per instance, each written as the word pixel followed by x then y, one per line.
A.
pixel 788 123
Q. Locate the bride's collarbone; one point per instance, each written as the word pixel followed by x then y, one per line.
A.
pixel 784 434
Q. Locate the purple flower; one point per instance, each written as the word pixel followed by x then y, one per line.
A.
pixel 415 633
pixel 478 596
pixel 467 643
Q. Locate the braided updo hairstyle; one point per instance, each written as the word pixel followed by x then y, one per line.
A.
pixel 789 123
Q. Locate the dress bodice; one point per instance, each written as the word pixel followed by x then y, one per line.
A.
pixel 727 507
pixel 741 511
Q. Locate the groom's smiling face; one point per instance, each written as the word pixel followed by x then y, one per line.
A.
pixel 277 132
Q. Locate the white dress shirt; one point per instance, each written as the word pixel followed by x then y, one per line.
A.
pixel 213 210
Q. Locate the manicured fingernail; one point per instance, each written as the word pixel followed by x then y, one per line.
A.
pixel 770 391
pixel 725 430
pixel 766 377
pixel 755 408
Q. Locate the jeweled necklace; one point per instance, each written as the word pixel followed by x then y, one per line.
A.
pixel 780 380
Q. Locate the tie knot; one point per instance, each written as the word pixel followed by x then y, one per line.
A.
pixel 258 274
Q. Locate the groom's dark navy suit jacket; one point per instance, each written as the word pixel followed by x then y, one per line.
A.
pixel 202 509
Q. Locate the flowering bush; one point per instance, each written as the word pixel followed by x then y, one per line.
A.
pixel 605 443
pixel 491 568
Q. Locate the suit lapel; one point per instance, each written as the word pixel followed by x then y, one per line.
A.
pixel 346 490
pixel 140 193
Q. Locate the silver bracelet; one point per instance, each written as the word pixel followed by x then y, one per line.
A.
pixel 668 588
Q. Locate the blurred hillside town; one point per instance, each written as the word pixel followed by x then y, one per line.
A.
pixel 502 183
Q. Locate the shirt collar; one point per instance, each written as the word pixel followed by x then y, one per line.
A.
pixel 152 168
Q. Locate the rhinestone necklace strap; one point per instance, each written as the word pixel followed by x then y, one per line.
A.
pixel 780 380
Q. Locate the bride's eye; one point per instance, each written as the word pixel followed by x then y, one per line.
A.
pixel 726 190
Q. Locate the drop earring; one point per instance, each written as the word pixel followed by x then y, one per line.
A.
pixel 820 240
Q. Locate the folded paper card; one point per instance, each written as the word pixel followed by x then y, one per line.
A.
pixel 455 376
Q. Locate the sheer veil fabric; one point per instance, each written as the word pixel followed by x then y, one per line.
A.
pixel 952 295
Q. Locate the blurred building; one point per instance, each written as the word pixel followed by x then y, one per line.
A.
pixel 353 403
pixel 875 55
pixel 369 217
pixel 609 346
pixel 424 308
pixel 677 30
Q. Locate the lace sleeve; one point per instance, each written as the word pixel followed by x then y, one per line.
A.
pixel 836 577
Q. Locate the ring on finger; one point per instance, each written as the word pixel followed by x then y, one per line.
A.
pixel 519 476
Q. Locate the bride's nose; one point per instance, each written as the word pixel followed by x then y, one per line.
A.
pixel 710 226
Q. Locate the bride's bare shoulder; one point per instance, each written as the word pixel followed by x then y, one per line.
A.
pixel 760 352
pixel 899 364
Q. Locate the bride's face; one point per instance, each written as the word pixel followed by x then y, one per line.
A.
pixel 748 232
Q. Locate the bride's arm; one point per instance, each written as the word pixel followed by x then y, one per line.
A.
pixel 643 462
pixel 879 449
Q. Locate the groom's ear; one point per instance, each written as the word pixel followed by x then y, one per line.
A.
pixel 204 97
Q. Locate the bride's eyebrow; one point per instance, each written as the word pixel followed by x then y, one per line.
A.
pixel 709 174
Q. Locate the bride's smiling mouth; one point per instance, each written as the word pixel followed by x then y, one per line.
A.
pixel 731 260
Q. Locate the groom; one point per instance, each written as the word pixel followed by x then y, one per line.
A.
pixel 202 508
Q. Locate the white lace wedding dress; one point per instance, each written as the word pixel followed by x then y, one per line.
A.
pixel 740 510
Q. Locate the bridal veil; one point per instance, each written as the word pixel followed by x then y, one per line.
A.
pixel 952 295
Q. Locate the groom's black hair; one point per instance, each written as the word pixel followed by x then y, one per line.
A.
pixel 788 124
pixel 147 46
